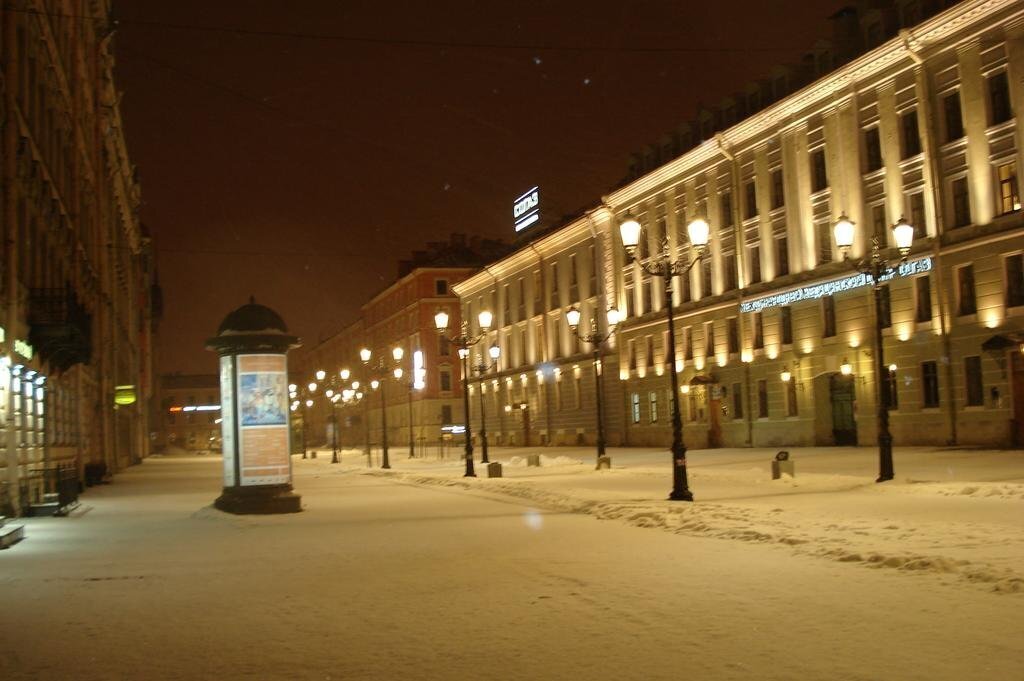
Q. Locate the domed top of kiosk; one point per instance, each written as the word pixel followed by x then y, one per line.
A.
pixel 252 318
pixel 252 327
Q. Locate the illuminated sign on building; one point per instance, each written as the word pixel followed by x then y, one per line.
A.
pixel 419 373
pixel 832 287
pixel 526 209
pixel 124 395
pixel 23 349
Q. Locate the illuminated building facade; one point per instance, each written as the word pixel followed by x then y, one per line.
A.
pixel 189 413
pixel 76 299
pixel 542 390
pixel 923 124
pixel 402 315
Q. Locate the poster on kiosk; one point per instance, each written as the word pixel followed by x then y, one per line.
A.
pixel 261 390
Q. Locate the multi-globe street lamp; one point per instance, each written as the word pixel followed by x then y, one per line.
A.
pixel 494 352
pixel 302 398
pixel 878 268
pixel 464 341
pixel 379 382
pixel 665 266
pixel 364 357
pixel 596 338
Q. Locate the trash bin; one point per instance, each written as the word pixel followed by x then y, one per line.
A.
pixel 494 470
pixel 782 464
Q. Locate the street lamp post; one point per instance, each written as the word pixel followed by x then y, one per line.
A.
pixel 382 386
pixel 596 338
pixel 463 342
pixel 664 266
pixel 877 267
pixel 494 352
pixel 364 357
pixel 343 375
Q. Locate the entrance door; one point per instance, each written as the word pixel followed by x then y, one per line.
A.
pixel 844 425
pixel 1017 364
pixel 714 416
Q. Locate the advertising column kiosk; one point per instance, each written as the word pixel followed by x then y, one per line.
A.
pixel 253 344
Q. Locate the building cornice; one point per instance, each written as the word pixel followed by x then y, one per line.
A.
pixel 783 113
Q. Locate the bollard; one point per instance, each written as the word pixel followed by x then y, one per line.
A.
pixel 533 459
pixel 781 464
pixel 494 469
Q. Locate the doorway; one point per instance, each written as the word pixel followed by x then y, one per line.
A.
pixel 844 422
pixel 1017 367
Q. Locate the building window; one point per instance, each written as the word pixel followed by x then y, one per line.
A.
pixel 999 98
pixel 443 346
pixel 726 205
pixel 650 351
pixel 917 217
pixel 782 256
pixel 762 399
pixel 828 311
pixel 731 275
pixel 1009 197
pixel 758 325
pixel 961 202
pixel 647 294
pixel 966 303
pixel 778 191
pixel 506 304
pixel 755 264
pixel 791 404
pixel 688 345
pixel 786 325
pixel 911 137
pixel 929 384
pixel 737 401
pixel 632 354
pixel 819 173
pixel 923 290
pixel 685 295
pixel 750 203
pixel 705 272
pixel 1015 280
pixel 874 34
pixel 652 399
pixel 824 243
pixel 885 307
pixel 446 413
pixel 630 303
pixel 634 400
pixel 441 287
pixel 709 339
pixel 521 300
pixel 889 389
pixel 593 271
pixel 878 223
pixel 553 301
pixel 734 335
pixel 953 117
pixel 872 150
pixel 972 377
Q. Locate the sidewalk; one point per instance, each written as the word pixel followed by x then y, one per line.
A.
pixel 952 513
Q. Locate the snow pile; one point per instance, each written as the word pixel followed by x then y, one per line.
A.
pixel 545 460
pixel 835 517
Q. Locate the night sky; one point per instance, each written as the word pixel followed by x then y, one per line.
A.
pixel 296 151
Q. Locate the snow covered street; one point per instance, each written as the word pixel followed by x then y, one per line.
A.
pixel 546 573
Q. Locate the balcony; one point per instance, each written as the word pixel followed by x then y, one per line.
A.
pixel 60 328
